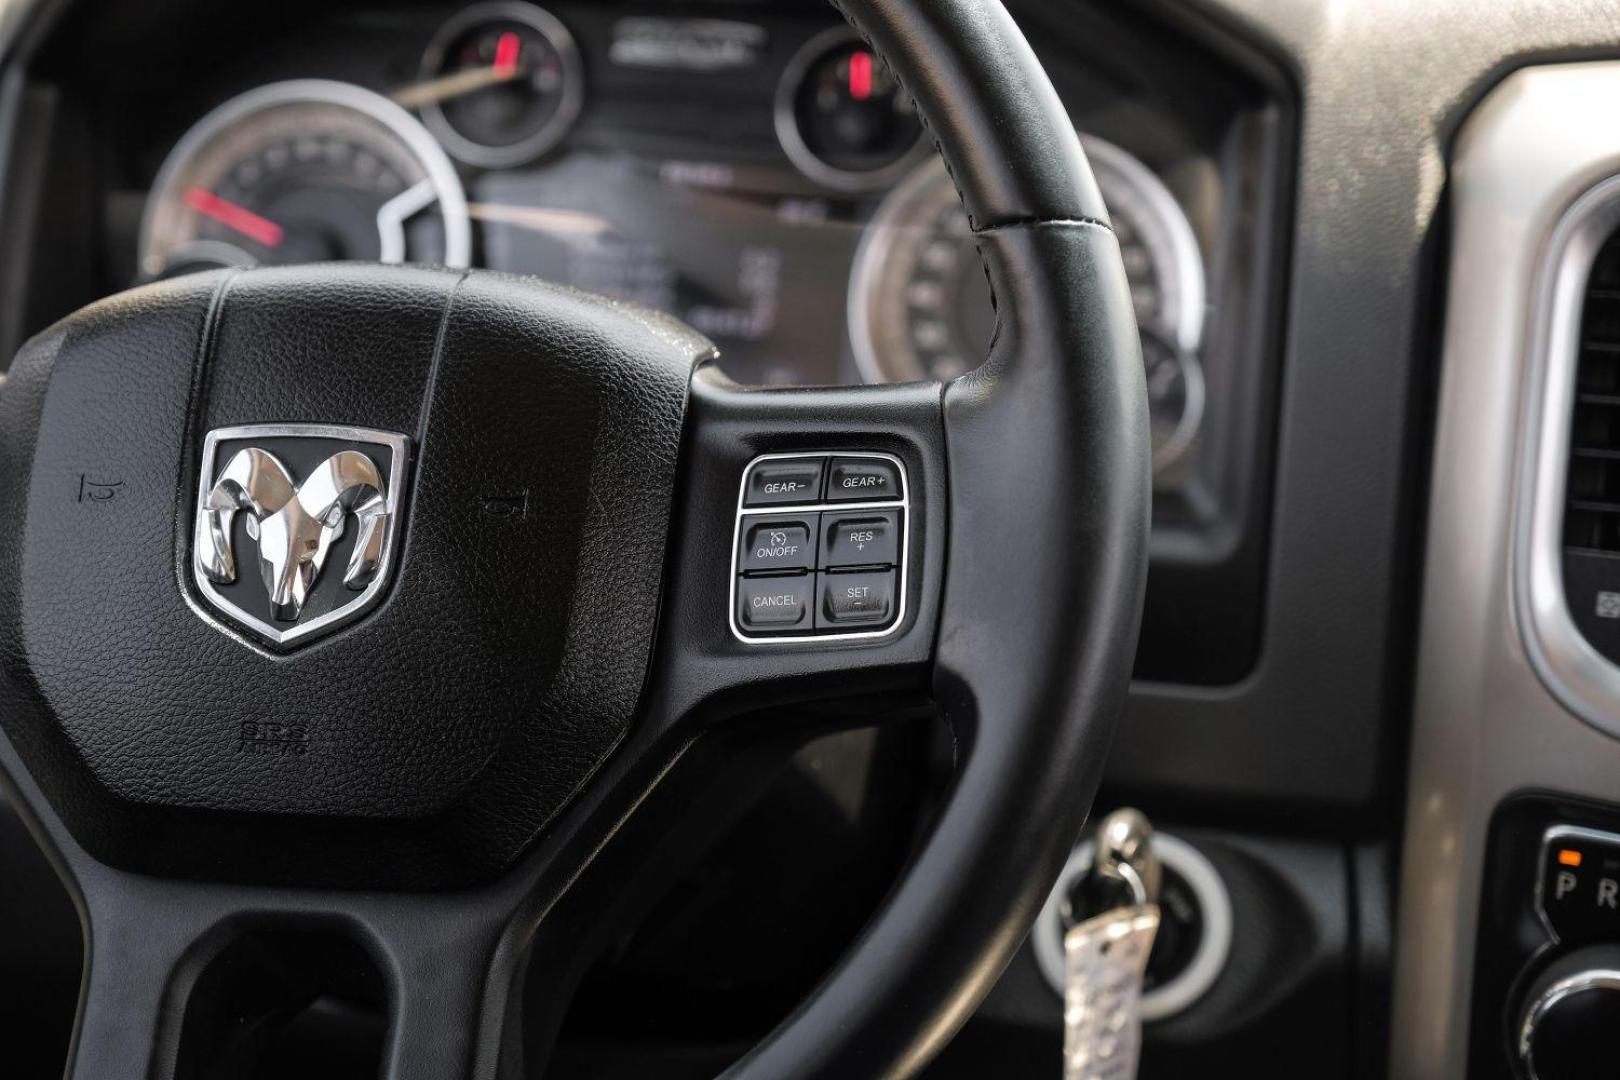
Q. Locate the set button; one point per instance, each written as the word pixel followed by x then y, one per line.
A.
pixel 849 601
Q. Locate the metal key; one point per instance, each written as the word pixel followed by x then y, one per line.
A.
pixel 1113 917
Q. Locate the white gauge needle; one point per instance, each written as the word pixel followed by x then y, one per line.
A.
pixel 449 86
pixel 504 69
pixel 576 225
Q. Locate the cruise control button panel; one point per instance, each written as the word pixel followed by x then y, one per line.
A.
pixel 807 565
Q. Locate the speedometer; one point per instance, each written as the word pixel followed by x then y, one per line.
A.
pixel 919 306
pixel 304 171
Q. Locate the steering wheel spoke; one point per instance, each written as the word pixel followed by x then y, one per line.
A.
pixel 468 983
pixel 784 588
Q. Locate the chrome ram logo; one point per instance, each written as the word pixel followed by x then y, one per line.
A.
pixel 295 524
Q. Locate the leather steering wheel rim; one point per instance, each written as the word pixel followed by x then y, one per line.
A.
pixel 1034 503
pixel 1057 410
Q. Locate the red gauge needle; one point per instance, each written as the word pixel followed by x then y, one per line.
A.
pixel 860 75
pixel 507 48
pixel 236 217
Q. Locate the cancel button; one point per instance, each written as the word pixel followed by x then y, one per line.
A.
pixel 774 603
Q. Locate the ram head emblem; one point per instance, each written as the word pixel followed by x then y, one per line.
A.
pixel 295 525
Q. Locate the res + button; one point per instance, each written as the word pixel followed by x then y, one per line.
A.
pixel 869 539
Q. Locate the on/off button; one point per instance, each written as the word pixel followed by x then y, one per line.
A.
pixel 778 542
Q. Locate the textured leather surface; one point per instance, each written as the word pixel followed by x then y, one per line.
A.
pixel 507 657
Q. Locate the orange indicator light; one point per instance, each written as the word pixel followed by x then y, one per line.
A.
pixel 1568 857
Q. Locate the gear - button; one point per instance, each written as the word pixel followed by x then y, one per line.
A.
pixel 785 481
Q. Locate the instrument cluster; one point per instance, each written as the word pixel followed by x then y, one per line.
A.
pixel 767 181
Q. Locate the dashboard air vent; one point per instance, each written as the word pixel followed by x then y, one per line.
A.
pixel 1591 553
pixel 1592 506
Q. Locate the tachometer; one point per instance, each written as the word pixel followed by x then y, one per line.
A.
pixel 919 306
pixel 304 171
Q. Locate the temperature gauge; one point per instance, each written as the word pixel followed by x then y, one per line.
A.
pixel 501 84
pixel 842 118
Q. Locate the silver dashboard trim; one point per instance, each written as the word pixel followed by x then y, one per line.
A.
pixel 1485 725
pixel 902 504
pixel 1581 677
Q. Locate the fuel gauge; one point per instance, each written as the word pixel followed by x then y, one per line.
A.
pixel 842 117
pixel 501 84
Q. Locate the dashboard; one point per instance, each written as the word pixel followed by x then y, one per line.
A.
pixel 747 166
pixel 817 239
pixel 763 179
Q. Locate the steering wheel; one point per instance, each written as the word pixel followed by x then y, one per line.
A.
pixel 536 670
